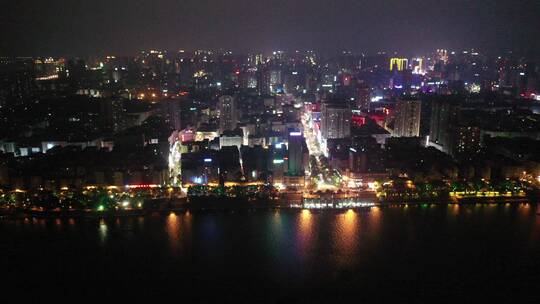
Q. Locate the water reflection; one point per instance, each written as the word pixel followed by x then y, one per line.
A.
pixel 276 227
pixel 346 237
pixel 178 228
pixel 58 223
pixel 374 221
pixel 173 230
pixel 103 231
pixel 320 249
pixel 455 209
pixel 305 233
pixel 536 228
pixel 274 237
pixel 140 223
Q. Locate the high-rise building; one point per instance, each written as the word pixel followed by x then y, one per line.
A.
pixel 466 140
pixel 259 59
pixel 295 153
pixel 399 64
pixel 364 96
pixel 418 66
pixel 444 115
pixel 407 122
pixel 228 113
pixel 16 81
pixel 171 113
pixel 111 113
pixel 335 120
pixel 271 80
pixel 442 55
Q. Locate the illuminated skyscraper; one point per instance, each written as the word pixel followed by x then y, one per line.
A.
pixel 364 96
pixel 399 64
pixel 418 66
pixel 228 112
pixel 335 120
pixel 271 81
pixel 442 55
pixel 259 59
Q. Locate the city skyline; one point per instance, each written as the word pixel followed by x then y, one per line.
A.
pixel 271 151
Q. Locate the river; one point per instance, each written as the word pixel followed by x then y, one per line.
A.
pixel 437 253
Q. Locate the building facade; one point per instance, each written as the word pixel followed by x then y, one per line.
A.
pixel 407 122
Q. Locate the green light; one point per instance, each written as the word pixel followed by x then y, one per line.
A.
pixel 100 208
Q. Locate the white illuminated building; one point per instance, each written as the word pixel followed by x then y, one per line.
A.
pixel 175 159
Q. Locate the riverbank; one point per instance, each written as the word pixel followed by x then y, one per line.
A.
pixel 239 206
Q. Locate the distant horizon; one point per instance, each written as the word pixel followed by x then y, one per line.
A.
pixel 83 28
pixel 323 53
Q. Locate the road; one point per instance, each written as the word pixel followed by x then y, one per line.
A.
pixel 325 177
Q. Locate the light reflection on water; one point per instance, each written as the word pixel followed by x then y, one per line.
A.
pixel 275 231
pixel 455 209
pixel 305 234
pixel 346 237
pixel 374 222
pixel 58 223
pixel 292 236
pixel 178 228
pixel 103 231
pixel 535 235
pixel 387 250
pixel 173 230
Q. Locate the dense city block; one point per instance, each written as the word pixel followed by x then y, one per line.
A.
pixel 171 129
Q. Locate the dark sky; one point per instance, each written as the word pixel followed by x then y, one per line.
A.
pixel 84 27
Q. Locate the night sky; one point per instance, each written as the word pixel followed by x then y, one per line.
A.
pixel 122 27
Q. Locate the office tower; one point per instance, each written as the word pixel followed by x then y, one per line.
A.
pixel 227 113
pixel 335 120
pixel 295 153
pixel 407 123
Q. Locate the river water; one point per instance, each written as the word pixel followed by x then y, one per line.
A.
pixel 428 253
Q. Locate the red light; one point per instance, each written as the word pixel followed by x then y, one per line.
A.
pixel 359 120
pixel 142 186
